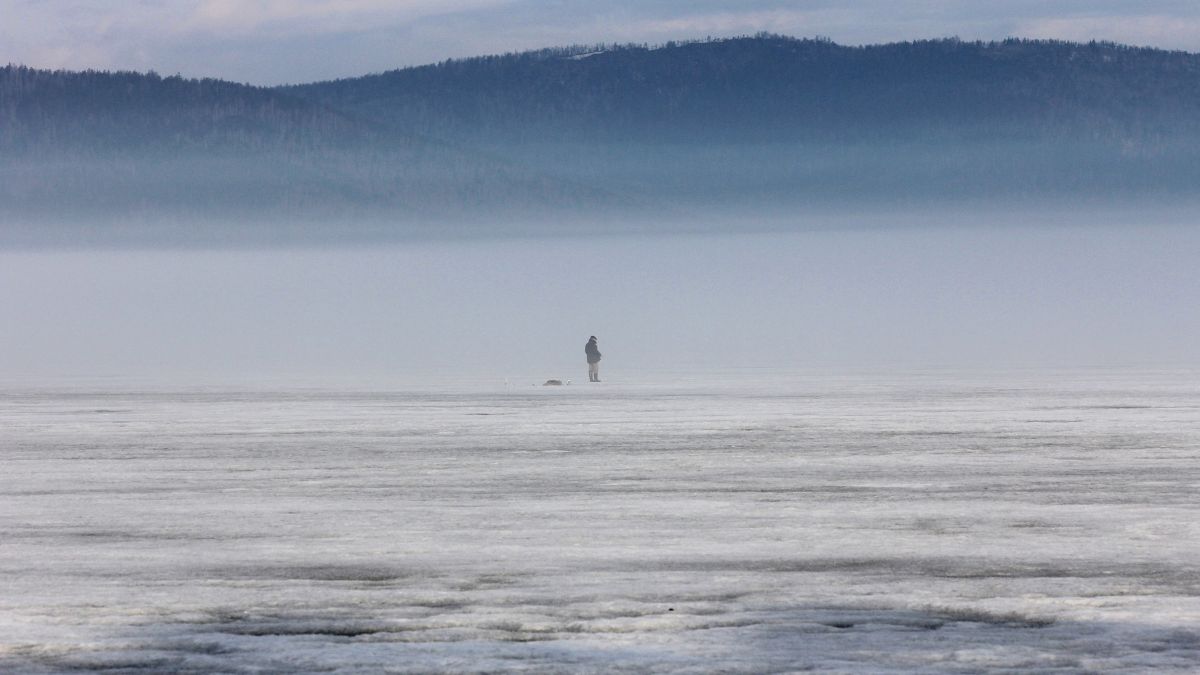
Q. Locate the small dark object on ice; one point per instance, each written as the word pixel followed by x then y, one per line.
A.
pixel 552 383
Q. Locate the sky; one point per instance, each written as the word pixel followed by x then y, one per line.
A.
pixel 292 41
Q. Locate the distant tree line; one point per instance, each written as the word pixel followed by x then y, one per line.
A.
pixel 760 122
pixel 771 88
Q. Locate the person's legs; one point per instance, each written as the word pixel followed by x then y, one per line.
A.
pixel 593 372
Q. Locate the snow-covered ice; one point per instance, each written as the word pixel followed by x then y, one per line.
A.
pixel 922 521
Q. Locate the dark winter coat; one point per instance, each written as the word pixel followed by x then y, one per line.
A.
pixel 593 354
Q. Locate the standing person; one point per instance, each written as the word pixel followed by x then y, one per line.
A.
pixel 593 359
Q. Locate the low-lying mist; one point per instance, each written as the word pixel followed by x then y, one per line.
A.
pixel 944 294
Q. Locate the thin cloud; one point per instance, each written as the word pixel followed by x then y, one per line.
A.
pixel 317 16
pixel 1173 32
pixel 732 22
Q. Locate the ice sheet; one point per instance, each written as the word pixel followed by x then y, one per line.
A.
pixel 882 522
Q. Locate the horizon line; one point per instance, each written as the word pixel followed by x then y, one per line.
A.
pixel 575 49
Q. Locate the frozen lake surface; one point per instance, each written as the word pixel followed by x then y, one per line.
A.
pixel 936 522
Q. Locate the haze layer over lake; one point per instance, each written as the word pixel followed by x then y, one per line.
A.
pixel 960 294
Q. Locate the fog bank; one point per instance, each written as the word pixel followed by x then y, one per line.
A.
pixel 522 309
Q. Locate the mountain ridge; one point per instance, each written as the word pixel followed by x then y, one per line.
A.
pixel 783 80
pixel 744 126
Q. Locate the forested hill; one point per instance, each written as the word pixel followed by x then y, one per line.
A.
pixel 140 149
pixel 129 113
pixel 772 88
pixel 630 133
pixel 771 123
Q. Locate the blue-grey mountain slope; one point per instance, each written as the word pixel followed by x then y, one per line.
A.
pixel 613 135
